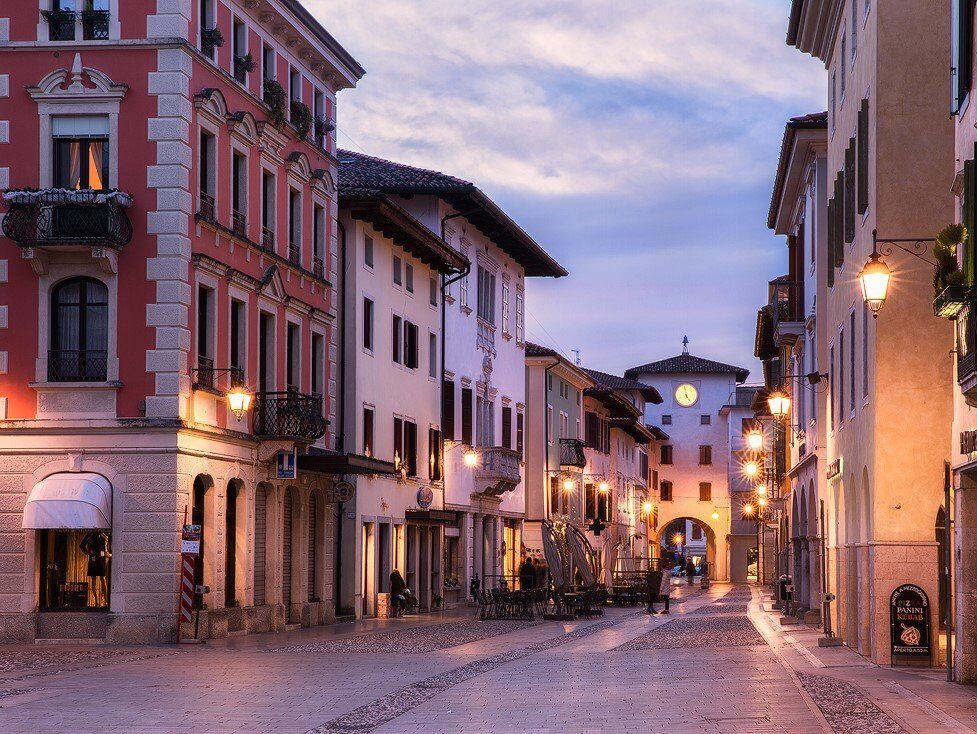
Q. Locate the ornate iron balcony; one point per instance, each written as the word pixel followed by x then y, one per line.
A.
pixel 208 208
pixel 61 24
pixel 288 415
pixel 294 253
pixel 239 223
pixel 95 24
pixel 268 239
pixel 205 372
pixel 62 217
pixel 77 365
pixel 571 452
pixel 317 269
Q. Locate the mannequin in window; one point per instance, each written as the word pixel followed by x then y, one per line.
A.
pixel 95 545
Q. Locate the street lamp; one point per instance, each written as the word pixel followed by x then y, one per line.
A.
pixel 715 514
pixel 603 487
pixel 762 501
pixel 761 490
pixel 754 440
pixel 568 485
pixel 751 468
pixel 239 400
pixel 779 404
pixel 470 457
pixel 677 539
pixel 874 279
pixel 748 509
pixel 647 507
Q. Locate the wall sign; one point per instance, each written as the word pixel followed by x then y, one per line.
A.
pixel 834 468
pixel 425 497
pixel 190 540
pixel 286 464
pixel 909 622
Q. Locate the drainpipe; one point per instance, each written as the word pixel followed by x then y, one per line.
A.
pixel 546 431
pixel 341 434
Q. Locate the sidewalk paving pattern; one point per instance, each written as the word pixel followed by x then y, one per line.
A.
pixel 705 668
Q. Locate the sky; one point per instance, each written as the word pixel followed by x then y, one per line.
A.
pixel 636 141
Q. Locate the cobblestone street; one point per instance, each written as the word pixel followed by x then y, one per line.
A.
pixel 710 666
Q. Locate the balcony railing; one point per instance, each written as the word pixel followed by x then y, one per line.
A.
pixel 61 24
pixel 205 372
pixel 268 239
pixel 498 470
pixel 288 415
pixel 572 452
pixel 208 208
pixel 294 253
pixel 77 365
pixel 317 268
pixel 239 223
pixel 62 217
pixel 95 24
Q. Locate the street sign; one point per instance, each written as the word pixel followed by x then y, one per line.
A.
pixel 909 622
pixel 190 540
pixel 286 464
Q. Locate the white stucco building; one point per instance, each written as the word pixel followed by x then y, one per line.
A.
pixel 694 465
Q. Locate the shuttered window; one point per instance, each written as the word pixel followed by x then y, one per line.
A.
pixel 519 433
pixel 466 416
pixel 287 555
pixel 434 454
pixel 830 268
pixel 410 448
pixel 260 538
pixel 962 51
pixel 506 427
pixel 592 430
pixel 448 401
pixel 313 560
pixel 849 193
pixel 863 157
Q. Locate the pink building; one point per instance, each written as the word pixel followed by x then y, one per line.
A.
pixel 170 233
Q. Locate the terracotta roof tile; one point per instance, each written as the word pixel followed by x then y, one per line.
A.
pixel 688 364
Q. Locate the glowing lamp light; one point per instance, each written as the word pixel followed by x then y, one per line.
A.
pixel 647 507
pixel 715 515
pixel 567 485
pixel 761 490
pixel 678 539
pixel 751 468
pixel 874 279
pixel 762 502
pixel 471 459
pixel 748 509
pixel 754 439
pixel 239 400
pixel 603 486
pixel 779 403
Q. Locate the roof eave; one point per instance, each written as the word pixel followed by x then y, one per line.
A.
pixel 811 26
pixel 798 141
pixel 340 59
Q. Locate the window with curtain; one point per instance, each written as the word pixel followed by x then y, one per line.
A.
pixel 81 152
pixel 79 331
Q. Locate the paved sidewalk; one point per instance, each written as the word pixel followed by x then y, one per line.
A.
pixel 718 664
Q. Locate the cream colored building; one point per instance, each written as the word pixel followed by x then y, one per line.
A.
pixel 889 166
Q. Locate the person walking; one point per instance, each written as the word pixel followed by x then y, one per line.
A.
pixel 665 590
pixel 653 582
pixel 527 574
pixel 690 571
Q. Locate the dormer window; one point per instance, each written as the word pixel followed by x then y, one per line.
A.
pixel 81 151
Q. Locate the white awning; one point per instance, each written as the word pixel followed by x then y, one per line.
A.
pixel 70 501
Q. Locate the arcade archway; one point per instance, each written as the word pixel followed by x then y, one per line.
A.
pixel 688 538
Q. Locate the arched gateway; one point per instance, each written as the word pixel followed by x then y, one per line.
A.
pixel 700 539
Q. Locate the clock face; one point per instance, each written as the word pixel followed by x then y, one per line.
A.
pixel 686 395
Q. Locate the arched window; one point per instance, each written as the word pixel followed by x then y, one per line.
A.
pixel 79 331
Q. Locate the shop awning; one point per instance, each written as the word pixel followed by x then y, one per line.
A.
pixel 70 501
pixel 332 462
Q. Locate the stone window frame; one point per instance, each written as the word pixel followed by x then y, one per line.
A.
pixel 115 25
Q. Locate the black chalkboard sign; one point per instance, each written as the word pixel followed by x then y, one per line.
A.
pixel 909 619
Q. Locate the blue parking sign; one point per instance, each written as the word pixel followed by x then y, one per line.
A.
pixel 286 464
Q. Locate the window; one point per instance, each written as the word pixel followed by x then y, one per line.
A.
pixel 367 431
pixel 849 198
pixel 318 365
pixel 643 464
pixel 239 330
pixel 397 334
pixel 79 331
pixel 239 194
pixel 666 420
pixel 294 226
pixel 549 423
pixel 409 269
pixel 410 345
pixel 205 336
pixel 520 318
pixel 318 240
pixel 705 492
pixel 294 85
pixel 432 355
pixel 207 22
pixel 564 425
pixel 506 427
pixel 466 416
pixel 666 454
pixel 851 361
pixel 433 285
pixel 962 28
pixel 410 447
pixel 666 491
pixel 844 67
pixel 463 293
pixel 865 323
pixel 448 409
pixel 208 174
pixel 863 157
pixel 368 252
pixel 590 501
pixel 486 295
pixel 268 196
pixel 239 47
pixel 520 419
pixel 75 570
pixel 832 101
pixel 319 110
pixel 293 375
pixel 841 376
pixel 266 352
pixel 434 470
pixel 696 532
pixel 705 420
pixel 854 30
pixel 398 271
pixel 831 387
pixel 267 64
pixel 368 324
pixel 484 422
pixel 705 455
pixel 505 307
pixel 81 152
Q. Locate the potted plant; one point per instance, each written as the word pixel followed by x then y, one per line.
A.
pixel 301 118
pixel 437 601
pixel 949 281
pixel 244 64
pixel 322 128
pixel 275 97
pixel 213 37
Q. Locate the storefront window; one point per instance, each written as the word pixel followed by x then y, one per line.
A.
pixel 75 570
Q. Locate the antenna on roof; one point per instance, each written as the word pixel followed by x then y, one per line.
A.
pixel 576 356
pixel 685 344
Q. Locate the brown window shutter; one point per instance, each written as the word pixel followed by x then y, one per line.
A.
pixel 849 193
pixel 519 433
pixel 830 263
pixel 506 427
pixel 466 416
pixel 448 401
pixel 863 158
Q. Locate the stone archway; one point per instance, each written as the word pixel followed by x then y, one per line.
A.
pixel 714 546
